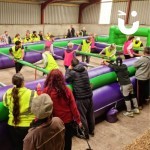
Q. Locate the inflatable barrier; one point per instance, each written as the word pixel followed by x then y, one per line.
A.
pixel 117 37
pixel 99 77
pixel 102 103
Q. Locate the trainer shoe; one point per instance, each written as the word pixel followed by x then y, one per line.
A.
pixel 136 111
pixel 129 114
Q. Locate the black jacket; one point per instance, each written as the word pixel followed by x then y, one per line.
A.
pixel 122 73
pixel 79 78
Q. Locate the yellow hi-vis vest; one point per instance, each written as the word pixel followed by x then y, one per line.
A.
pixel 86 47
pixel 47 37
pixel 136 45
pixel 25 99
pixel 51 63
pixel 17 54
pixel 35 39
pixel 17 39
pixel 27 40
pixel 109 53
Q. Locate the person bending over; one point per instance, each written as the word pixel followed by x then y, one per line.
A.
pixel 110 51
pixel 46 132
pixel 77 75
pixel 17 100
pixel 49 63
pixel 128 48
pixel 125 85
pixel 143 77
pixel 17 52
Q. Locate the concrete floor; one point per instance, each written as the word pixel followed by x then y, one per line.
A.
pixel 115 136
pixel 107 136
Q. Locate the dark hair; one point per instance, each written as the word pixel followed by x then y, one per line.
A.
pixel 47 48
pixel 17 42
pixel 17 80
pixel 55 80
pixel 130 37
pixel 74 62
pixel 17 35
pixel 147 50
pixel 34 32
pixel 119 61
pixel 52 36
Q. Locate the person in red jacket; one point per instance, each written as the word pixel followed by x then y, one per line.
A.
pixel 64 105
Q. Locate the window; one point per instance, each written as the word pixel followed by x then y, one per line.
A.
pixel 105 11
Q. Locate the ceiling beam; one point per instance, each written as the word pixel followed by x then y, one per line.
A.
pixel 83 6
pixel 128 11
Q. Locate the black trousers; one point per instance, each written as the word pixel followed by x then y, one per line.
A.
pixel 85 107
pixel 143 87
pixel 17 134
pixel 85 57
pixel 127 56
pixel 69 133
pixel 18 67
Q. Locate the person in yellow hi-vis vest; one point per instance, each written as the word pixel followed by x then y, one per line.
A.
pixel 35 37
pixel 109 51
pixel 17 38
pixel 137 43
pixel 48 60
pixel 85 47
pixel 47 36
pixel 17 52
pixel 28 38
pixel 18 101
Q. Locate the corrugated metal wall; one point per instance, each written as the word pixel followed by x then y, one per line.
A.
pixel 142 7
pixel 60 14
pixel 15 13
pixel 91 14
pixel 114 14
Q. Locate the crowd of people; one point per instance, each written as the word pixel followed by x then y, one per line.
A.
pixel 28 38
pixel 36 37
pixel 49 116
pixel 72 33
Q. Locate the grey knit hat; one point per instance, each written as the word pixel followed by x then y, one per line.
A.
pixel 42 106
